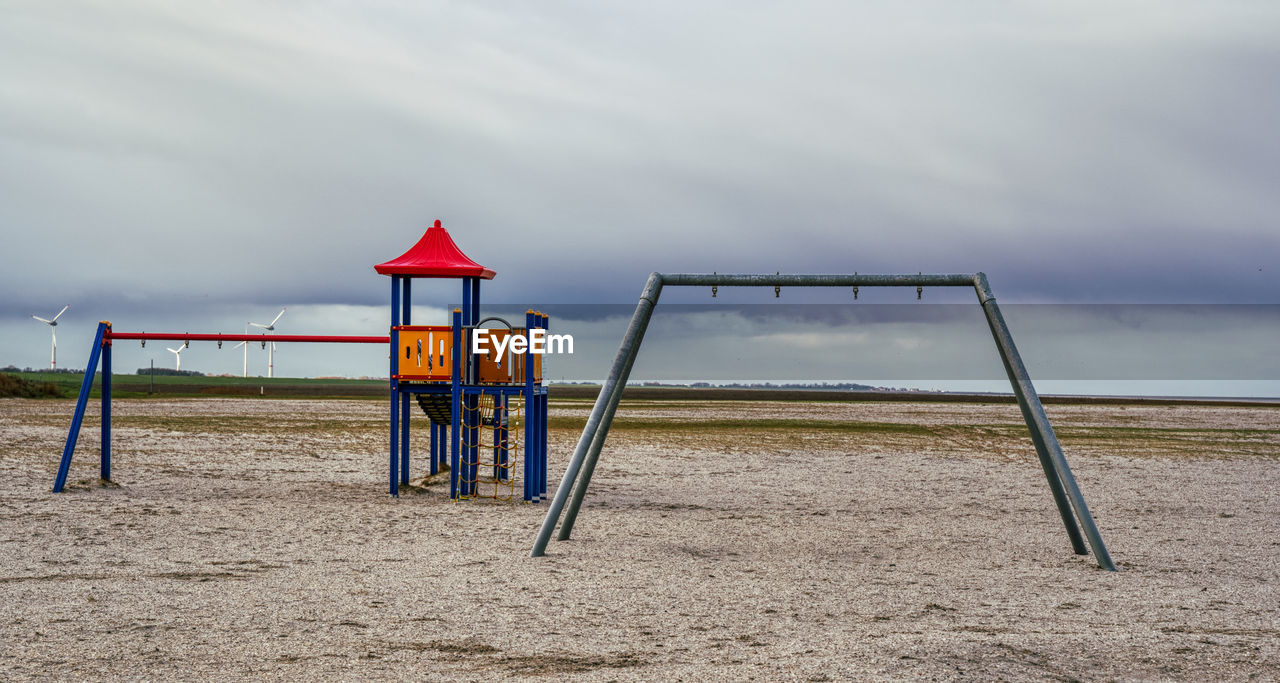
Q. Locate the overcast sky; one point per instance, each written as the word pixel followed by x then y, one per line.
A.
pixel 191 166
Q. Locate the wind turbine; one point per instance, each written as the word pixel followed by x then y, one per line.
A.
pixel 271 354
pixel 245 344
pixel 177 355
pixel 53 329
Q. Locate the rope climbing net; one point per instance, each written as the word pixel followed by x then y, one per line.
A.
pixel 490 456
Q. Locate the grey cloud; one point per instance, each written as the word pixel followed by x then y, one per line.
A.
pixel 192 158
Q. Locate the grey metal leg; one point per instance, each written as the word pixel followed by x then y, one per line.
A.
pixel 610 393
pixel 1052 459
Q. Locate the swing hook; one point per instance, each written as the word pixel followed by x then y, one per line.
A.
pixel 919 288
pixel 855 287
pixel 777 289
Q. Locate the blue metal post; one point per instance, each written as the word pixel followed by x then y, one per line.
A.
pixel 404 438
pixel 531 400
pixel 506 437
pixel 466 301
pixel 530 417
pixel 464 461
pixel 497 437
pixel 464 473
pixel 473 442
pixel 405 305
pixel 473 371
pixel 472 316
pixel 105 466
pixel 542 423
pixel 435 449
pixel 74 433
pixel 475 301
pixel 395 385
pixel 542 453
pixel 455 405
pixel 533 452
pixel 467 437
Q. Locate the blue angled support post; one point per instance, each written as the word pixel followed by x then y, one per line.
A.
pixel 74 433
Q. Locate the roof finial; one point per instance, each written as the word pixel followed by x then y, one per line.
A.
pixel 437 223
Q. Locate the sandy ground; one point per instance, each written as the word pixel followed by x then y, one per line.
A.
pixel 254 539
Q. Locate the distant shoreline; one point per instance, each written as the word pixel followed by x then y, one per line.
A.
pixel 722 394
pixel 141 386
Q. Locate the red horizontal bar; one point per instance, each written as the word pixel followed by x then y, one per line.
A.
pixel 314 338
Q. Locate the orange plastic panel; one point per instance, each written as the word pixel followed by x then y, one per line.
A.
pixel 494 370
pixel 424 352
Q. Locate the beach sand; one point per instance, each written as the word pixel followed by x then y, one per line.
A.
pixel 797 541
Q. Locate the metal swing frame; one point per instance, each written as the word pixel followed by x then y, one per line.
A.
pixel 1066 493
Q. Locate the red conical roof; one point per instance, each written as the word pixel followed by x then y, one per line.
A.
pixel 435 255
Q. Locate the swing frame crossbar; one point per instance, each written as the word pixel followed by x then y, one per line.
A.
pixel 101 353
pixel 1066 493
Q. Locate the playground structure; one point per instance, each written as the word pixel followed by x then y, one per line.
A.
pixel 488 413
pixel 480 403
pixel 1062 484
